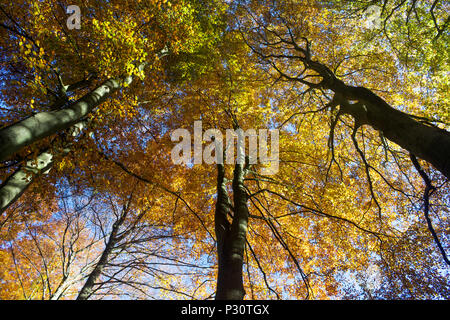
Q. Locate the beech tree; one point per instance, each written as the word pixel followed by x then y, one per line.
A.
pixel 356 91
pixel 64 105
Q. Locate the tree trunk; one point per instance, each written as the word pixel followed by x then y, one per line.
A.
pixel 88 288
pixel 429 143
pixel 43 124
pixel 16 184
pixel 231 238
pixel 114 238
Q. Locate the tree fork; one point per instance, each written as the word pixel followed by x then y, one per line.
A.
pixel 231 238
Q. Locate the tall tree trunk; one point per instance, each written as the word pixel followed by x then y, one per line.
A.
pixel 114 239
pixel 231 238
pixel 43 124
pixel 88 288
pixel 427 142
pixel 17 183
pixel 222 230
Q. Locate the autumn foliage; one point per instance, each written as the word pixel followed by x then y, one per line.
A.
pixel 359 208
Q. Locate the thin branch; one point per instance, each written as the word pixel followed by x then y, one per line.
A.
pixel 426 203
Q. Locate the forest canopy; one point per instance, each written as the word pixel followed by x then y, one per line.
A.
pixel 248 149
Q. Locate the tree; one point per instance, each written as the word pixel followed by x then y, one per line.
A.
pixel 366 107
pixel 358 205
pixel 39 51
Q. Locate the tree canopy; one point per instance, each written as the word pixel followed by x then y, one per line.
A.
pixel 349 99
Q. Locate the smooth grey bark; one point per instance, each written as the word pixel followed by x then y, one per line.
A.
pixel 66 283
pixel 231 238
pixel 43 124
pixel 88 288
pixel 427 142
pixel 63 287
pixel 17 183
